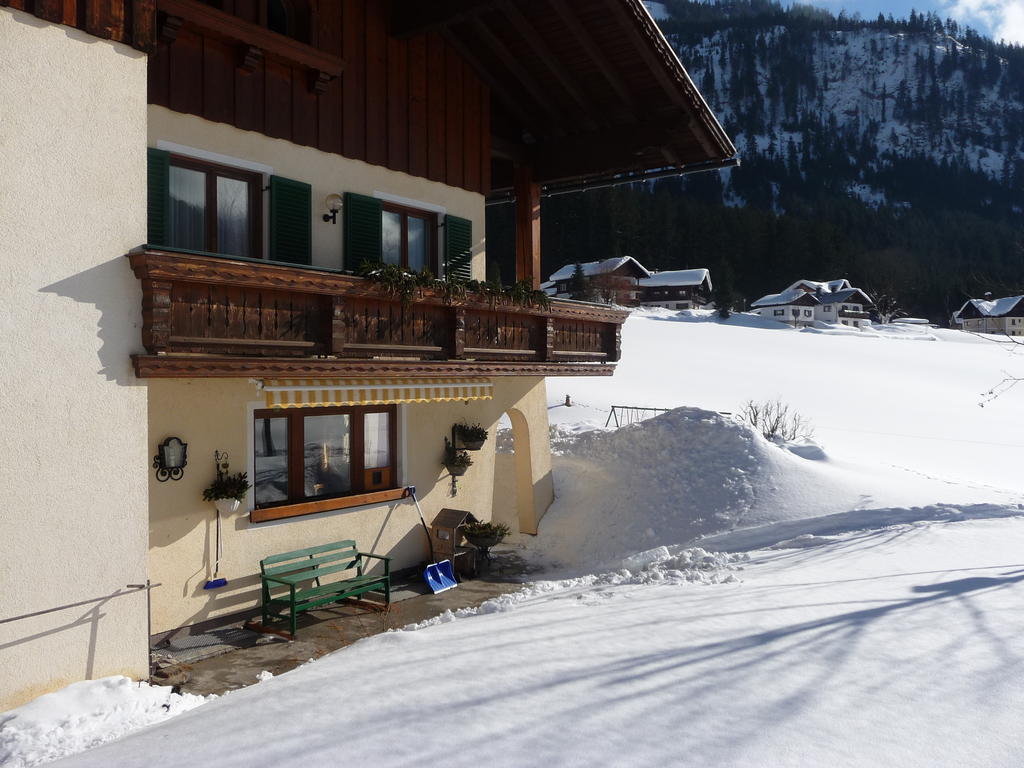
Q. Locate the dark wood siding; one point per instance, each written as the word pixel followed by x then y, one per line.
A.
pixel 126 21
pixel 412 105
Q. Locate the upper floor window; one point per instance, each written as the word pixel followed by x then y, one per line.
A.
pixel 214 208
pixel 287 17
pixel 408 237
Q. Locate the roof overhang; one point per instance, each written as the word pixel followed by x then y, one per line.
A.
pixel 583 91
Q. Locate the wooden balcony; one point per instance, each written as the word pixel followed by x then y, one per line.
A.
pixel 211 316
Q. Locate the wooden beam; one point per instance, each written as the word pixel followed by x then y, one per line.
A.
pixel 621 147
pixel 668 81
pixel 511 63
pixel 527 226
pixel 510 102
pixel 576 28
pixel 417 17
pixel 551 61
pixel 223 366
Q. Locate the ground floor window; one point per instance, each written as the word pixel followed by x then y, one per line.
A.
pixel 306 454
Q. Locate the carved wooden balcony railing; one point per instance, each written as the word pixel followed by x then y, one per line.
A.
pixel 217 316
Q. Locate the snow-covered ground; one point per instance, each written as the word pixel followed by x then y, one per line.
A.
pixel 900 405
pixel 895 646
pixel 856 602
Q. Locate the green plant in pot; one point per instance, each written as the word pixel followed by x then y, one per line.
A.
pixel 227 491
pixel 472 436
pixel 485 535
pixel 456 461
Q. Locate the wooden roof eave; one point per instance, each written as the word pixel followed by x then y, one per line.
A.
pixel 576 107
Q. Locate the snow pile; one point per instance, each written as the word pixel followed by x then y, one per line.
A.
pixel 661 566
pixel 669 479
pixel 84 715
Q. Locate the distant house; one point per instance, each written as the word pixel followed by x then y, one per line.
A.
pixel 614 281
pixel 1003 316
pixel 792 306
pixel 832 301
pixel 676 289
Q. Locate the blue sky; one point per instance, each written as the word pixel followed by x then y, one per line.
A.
pixel 1001 19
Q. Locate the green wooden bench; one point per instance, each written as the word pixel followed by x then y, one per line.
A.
pixel 295 577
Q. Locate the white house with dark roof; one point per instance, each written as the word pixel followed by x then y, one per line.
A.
pixel 807 301
pixel 792 306
pixel 1004 316
pixel 615 280
pixel 677 289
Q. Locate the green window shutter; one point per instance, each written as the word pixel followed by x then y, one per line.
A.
pixel 291 234
pixel 158 203
pixel 362 229
pixel 458 247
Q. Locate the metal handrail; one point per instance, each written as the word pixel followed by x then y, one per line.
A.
pixel 132 589
pixel 616 409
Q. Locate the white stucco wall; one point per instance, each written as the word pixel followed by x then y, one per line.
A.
pixel 216 415
pixel 73 458
pixel 326 172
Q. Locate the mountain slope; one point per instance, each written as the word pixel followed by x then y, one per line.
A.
pixel 889 151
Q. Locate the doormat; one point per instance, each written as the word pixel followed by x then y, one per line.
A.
pixel 188 649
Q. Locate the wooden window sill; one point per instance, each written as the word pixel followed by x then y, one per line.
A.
pixel 325 505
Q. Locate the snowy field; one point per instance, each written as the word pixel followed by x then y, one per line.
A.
pixel 902 400
pixel 717 599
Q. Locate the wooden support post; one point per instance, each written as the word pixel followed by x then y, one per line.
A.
pixel 459 335
pixel 548 340
pixel 527 226
pixel 156 315
pixel 615 353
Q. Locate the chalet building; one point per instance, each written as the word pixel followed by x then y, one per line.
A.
pixel 808 301
pixel 611 281
pixel 1003 316
pixel 793 307
pixel 189 189
pixel 677 289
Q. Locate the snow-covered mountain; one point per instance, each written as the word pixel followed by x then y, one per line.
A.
pixel 889 152
pixel 797 86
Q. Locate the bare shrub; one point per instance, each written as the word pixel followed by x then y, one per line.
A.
pixel 774 420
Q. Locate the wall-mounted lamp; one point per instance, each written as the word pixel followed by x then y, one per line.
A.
pixel 333 204
pixel 170 460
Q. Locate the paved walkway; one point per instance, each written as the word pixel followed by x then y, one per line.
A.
pixel 335 626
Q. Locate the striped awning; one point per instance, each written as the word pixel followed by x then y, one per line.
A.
pixel 307 393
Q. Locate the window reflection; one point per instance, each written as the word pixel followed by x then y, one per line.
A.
pixel 391 237
pixel 375 440
pixel 188 208
pixel 271 481
pixel 417 243
pixel 327 455
pixel 233 235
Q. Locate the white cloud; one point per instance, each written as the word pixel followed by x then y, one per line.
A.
pixel 1004 19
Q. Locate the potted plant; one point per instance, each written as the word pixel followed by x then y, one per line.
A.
pixel 472 436
pixel 227 491
pixel 483 536
pixel 455 461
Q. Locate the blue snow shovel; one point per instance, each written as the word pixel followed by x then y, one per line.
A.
pixel 439 576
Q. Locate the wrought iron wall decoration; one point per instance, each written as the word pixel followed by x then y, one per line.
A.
pixel 170 460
